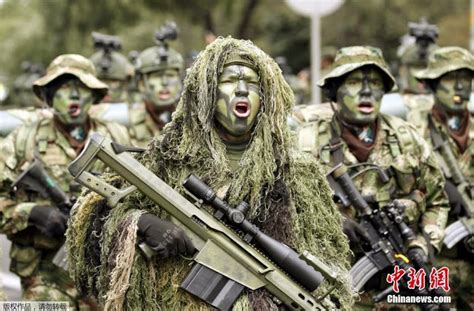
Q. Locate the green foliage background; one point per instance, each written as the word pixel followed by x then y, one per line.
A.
pixel 39 30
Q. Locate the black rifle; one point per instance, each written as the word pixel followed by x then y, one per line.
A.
pixel 35 179
pixel 457 187
pixel 387 231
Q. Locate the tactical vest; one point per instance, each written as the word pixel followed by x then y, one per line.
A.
pixel 315 136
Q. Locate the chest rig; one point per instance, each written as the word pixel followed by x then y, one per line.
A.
pixel 395 180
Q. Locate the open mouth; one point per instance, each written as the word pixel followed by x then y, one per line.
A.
pixel 74 110
pixel 242 109
pixel 163 95
pixel 366 107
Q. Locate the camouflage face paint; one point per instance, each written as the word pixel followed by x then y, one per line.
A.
pixel 238 99
pixel 407 75
pixel 454 89
pixel 72 101
pixel 116 91
pixel 163 87
pixel 360 96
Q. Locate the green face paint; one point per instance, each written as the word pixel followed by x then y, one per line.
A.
pixel 238 99
pixel 407 75
pixel 454 89
pixel 72 101
pixel 116 91
pixel 360 96
pixel 163 87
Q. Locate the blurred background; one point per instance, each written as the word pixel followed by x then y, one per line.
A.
pixel 39 30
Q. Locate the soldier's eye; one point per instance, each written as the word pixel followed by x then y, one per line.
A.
pixel 376 83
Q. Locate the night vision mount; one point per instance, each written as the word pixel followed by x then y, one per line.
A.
pixel 107 44
pixel 169 31
pixel 425 34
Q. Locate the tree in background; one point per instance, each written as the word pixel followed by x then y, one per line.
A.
pixel 40 30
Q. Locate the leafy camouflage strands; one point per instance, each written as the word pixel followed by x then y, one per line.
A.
pixel 288 194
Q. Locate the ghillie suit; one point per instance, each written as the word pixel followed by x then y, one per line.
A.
pixel 289 197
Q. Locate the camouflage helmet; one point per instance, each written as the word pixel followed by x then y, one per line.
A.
pixel 444 60
pixel 354 57
pixel 150 60
pixel 112 65
pixel 75 65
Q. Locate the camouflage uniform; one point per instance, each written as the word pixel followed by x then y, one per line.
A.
pixel 141 124
pixel 414 175
pixel 458 259
pixel 32 251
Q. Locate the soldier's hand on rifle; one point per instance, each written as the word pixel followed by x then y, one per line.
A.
pixel 49 220
pixel 164 237
pixel 417 255
pixel 354 231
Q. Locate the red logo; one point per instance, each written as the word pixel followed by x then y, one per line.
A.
pixel 438 278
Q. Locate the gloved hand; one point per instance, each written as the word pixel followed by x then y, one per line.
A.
pixel 354 231
pixel 164 237
pixel 49 220
pixel 418 256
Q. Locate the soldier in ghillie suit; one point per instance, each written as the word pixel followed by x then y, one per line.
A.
pixel 230 130
pixel 112 67
pixel 34 224
pixel 413 58
pixel 159 69
pixel 449 125
pixel 355 133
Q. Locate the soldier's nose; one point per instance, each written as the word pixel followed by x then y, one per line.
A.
pixel 242 89
pixel 366 90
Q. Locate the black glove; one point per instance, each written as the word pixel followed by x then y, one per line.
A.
pixel 164 237
pixel 355 232
pixel 418 256
pixel 49 220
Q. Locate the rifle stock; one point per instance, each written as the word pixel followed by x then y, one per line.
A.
pixel 220 249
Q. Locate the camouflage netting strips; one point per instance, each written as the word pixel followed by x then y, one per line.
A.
pixel 288 194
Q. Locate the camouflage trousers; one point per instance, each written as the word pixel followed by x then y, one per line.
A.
pixel 461 282
pixel 54 284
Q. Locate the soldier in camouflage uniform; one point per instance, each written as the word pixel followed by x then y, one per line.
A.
pixel 34 225
pixel 358 135
pixel 449 77
pixel 160 71
pixel 414 57
pixel 112 67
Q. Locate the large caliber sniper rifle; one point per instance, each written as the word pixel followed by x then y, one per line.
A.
pixel 387 233
pixel 463 228
pixel 226 262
